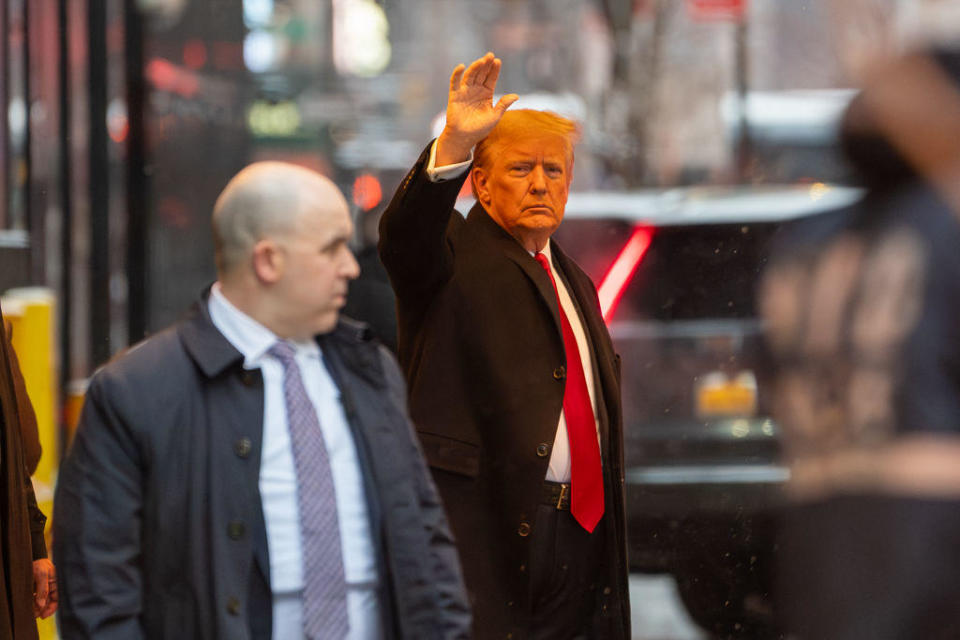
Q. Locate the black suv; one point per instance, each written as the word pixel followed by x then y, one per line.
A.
pixel 677 273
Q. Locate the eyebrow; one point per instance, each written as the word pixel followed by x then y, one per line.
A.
pixel 337 239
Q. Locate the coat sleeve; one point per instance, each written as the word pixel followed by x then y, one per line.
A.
pixel 443 563
pixel 38 522
pixel 413 245
pixel 97 515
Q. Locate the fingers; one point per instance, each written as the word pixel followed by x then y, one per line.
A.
pixel 477 72
pixel 44 587
pixel 53 601
pixel 41 590
pixel 456 76
pixel 483 71
pixel 493 72
pixel 504 103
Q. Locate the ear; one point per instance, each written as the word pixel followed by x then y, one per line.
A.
pixel 268 259
pixel 481 186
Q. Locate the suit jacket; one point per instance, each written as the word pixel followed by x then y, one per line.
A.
pixel 481 345
pixel 159 531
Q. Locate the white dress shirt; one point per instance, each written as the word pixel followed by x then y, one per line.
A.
pixel 559 467
pixel 278 481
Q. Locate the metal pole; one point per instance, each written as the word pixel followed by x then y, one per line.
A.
pixel 137 208
pixel 6 152
pixel 66 199
pixel 37 243
pixel 744 143
pixel 99 187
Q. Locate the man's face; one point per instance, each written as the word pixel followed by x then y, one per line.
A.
pixel 317 267
pixel 525 188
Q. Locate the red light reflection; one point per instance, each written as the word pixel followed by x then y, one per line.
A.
pixel 615 282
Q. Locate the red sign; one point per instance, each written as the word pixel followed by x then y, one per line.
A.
pixel 717 9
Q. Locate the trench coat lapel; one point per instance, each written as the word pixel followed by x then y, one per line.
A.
pixel 478 221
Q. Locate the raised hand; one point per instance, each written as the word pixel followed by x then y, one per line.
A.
pixel 471 114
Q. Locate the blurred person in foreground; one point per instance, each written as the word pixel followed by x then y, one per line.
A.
pixel 863 315
pixel 28 584
pixel 515 395
pixel 252 471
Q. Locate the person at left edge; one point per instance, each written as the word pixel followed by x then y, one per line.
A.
pixel 28 587
pixel 252 471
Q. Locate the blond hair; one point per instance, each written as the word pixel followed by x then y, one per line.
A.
pixel 519 123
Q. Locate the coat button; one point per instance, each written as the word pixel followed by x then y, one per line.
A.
pixel 233 606
pixel 248 378
pixel 560 373
pixel 236 529
pixel 523 530
pixel 242 447
pixel 543 449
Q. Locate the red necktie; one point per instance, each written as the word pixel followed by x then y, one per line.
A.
pixel 586 474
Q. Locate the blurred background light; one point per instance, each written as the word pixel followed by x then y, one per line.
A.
pixel 164 13
pixel 118 125
pixel 194 53
pixel 367 192
pixel 257 13
pixel 361 45
pixel 17 119
pixel 262 50
pixel 277 120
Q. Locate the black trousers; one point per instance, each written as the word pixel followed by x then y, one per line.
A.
pixel 564 575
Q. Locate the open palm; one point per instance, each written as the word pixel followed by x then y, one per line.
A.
pixel 471 113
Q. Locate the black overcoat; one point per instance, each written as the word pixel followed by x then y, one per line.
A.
pixel 480 343
pixel 159 531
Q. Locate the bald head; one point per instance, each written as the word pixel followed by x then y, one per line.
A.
pixel 282 236
pixel 267 198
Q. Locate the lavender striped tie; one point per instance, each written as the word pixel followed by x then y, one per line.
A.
pixel 324 587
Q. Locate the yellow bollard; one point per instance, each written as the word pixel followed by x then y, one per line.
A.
pixel 32 311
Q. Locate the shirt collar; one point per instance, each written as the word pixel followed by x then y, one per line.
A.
pixel 545 251
pixel 248 336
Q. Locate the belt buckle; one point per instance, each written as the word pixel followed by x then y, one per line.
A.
pixel 563 492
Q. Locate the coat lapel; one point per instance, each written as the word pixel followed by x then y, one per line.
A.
pixel 234 421
pixel 478 221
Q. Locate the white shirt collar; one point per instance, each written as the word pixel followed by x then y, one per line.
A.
pixel 545 251
pixel 248 336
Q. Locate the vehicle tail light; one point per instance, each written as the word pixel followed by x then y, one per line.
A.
pixel 615 282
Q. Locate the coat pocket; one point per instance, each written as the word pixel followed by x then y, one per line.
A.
pixel 451 455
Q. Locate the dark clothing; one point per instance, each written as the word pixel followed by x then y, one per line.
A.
pixel 878 567
pixel 29 435
pixel 21 527
pixel 863 317
pixel 159 526
pixel 481 346
pixel 864 558
pixel 558 578
pixel 370 298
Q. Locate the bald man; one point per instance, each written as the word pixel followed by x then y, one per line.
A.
pixel 252 471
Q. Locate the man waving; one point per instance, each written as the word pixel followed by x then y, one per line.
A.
pixel 514 384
